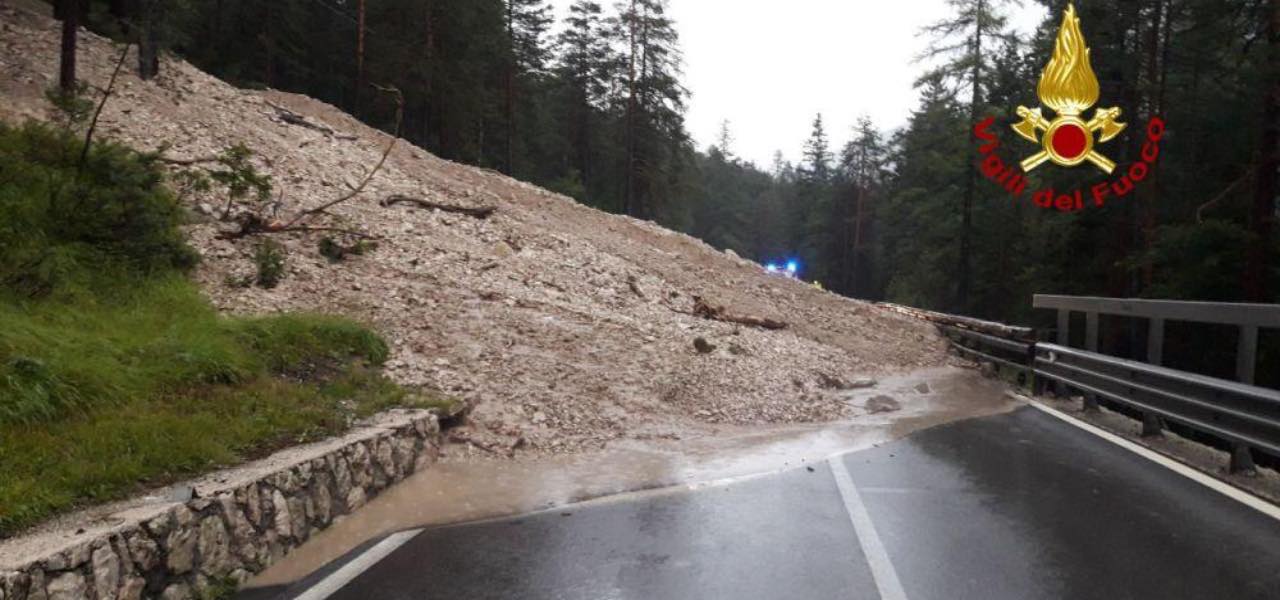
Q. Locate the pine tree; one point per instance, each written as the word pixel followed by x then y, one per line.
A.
pixel 811 231
pixel 652 98
pixel 919 215
pixel 862 166
pixel 527 22
pixel 964 40
pixel 583 63
pixel 816 167
pixel 724 141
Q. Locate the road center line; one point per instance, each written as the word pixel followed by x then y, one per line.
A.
pixel 340 578
pixel 1191 473
pixel 877 559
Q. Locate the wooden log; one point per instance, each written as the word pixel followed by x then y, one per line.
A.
pixel 718 313
pixel 292 118
pixel 479 212
pixel 988 327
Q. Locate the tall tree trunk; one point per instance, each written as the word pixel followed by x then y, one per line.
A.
pixel 859 215
pixel 1156 68
pixel 149 42
pixel 629 207
pixel 510 84
pixel 842 255
pixel 269 44
pixel 639 158
pixel 360 75
pixel 69 11
pixel 1124 227
pixel 970 185
pixel 217 22
pixel 1262 215
pixel 428 58
pixel 584 145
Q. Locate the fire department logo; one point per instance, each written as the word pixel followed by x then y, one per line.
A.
pixel 1069 87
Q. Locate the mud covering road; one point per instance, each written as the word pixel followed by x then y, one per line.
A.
pixel 1013 506
pixel 461 488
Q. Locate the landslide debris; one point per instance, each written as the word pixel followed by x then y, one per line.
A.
pixel 563 327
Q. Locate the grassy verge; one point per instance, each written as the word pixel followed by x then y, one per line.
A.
pixel 115 373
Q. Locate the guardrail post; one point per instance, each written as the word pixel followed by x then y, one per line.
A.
pixel 1242 460
pixel 1091 344
pixel 1064 339
pixel 1155 342
pixel 1246 362
pixel 1037 385
pixel 1152 424
pixel 1247 353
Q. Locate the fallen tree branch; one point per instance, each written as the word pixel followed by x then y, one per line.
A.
pixel 293 118
pixel 378 167
pixel 1222 195
pixel 188 162
pixel 255 224
pixel 251 224
pixel 268 229
pixel 718 313
pixel 479 212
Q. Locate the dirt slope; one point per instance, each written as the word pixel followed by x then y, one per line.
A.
pixel 529 314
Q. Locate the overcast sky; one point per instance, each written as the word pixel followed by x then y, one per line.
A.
pixel 769 67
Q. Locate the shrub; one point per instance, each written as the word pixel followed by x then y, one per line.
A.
pixel 73 108
pixel 115 371
pixel 62 226
pixel 269 258
pixel 336 252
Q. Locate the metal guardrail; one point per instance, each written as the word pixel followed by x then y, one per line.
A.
pixel 1245 416
pixel 1248 317
pixel 1004 352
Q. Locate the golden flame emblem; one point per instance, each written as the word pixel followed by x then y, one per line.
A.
pixel 1069 87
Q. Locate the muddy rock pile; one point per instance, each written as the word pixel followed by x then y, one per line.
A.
pixel 563 326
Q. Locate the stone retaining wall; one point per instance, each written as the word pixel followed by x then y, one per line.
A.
pixel 181 549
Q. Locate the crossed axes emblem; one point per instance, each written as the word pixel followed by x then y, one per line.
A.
pixel 1068 140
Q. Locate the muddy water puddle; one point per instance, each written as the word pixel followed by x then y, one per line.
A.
pixel 455 491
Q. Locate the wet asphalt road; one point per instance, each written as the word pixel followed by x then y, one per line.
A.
pixel 1017 506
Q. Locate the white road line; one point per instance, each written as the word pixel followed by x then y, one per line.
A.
pixel 881 567
pixel 340 578
pixel 1193 474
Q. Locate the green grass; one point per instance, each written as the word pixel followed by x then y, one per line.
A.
pixel 115 373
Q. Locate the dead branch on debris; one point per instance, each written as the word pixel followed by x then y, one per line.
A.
pixel 378 167
pixel 251 224
pixel 106 95
pixel 188 162
pixel 479 212
pixel 719 313
pixel 293 118
pixel 254 224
